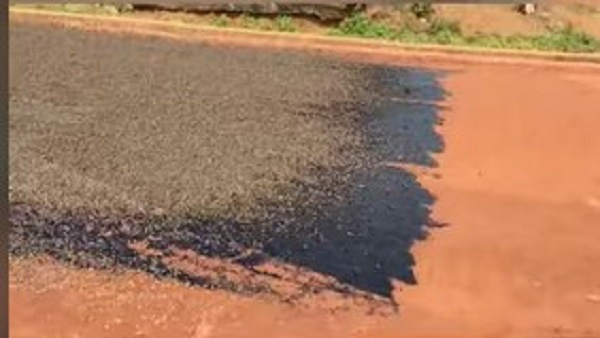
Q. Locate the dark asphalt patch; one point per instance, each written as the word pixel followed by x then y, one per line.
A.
pixel 342 213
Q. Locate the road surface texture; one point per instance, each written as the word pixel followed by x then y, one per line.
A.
pixel 167 188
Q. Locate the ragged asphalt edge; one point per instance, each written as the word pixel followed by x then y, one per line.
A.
pixel 304 41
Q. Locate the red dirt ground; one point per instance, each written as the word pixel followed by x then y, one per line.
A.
pixel 519 187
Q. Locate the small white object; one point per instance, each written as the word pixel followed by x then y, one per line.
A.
pixel 528 8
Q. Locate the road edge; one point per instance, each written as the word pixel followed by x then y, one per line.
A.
pixel 303 41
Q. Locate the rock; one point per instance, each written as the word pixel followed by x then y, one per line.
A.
pixel 527 8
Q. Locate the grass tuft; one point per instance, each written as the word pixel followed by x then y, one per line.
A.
pixel 360 25
pixel 221 21
pixel 285 23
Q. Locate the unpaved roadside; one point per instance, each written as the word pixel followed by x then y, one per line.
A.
pixel 517 185
pixel 296 41
pixel 520 188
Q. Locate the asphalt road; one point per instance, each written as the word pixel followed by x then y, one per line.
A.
pixel 218 150
pixel 517 184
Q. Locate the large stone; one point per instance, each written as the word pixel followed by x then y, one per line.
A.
pixel 527 8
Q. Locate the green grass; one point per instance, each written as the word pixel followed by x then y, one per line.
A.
pixel 422 10
pixel 361 25
pixel 221 21
pixel 253 22
pixel 282 23
pixel 445 32
pixel 285 23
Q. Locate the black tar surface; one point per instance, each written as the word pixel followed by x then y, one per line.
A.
pixel 353 219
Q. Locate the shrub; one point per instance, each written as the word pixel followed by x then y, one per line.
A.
pixel 360 25
pixel 284 23
pixel 423 10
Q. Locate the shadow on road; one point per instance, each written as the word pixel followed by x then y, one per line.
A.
pixel 360 242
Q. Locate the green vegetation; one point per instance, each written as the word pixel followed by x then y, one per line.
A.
pixel 221 21
pixel 449 33
pixel 563 40
pixel 285 23
pixel 254 22
pixel 422 10
pixel 282 23
pixel 360 25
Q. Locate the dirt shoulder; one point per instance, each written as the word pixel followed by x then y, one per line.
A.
pixel 354 48
pixel 520 191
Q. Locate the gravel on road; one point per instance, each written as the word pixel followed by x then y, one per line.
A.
pixel 121 139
